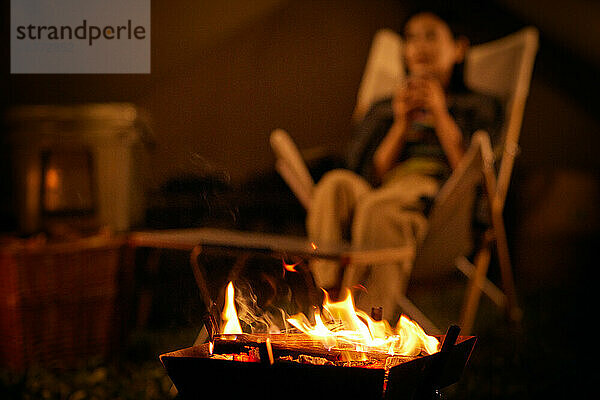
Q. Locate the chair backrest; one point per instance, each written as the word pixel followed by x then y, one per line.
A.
pixel 501 68
pixel 383 71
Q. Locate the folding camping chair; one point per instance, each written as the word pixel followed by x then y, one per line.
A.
pixel 502 68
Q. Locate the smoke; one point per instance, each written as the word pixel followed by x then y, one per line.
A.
pixel 259 320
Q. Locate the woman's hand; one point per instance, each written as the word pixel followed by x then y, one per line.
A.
pixel 403 102
pixel 427 93
pixel 430 94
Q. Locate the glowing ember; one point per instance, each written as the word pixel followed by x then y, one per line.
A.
pixel 289 267
pixel 232 324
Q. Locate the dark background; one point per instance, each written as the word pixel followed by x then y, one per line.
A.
pixel 226 73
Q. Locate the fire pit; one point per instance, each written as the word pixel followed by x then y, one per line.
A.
pixel 342 353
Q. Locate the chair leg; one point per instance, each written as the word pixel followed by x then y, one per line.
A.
pixel 508 283
pixel 492 291
pixel 473 294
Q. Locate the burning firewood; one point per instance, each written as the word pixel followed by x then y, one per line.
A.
pixel 301 348
pixel 340 335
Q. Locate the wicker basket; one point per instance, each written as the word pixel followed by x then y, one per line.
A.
pixel 57 301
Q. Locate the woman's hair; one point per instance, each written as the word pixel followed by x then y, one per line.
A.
pixel 457 79
pixel 450 15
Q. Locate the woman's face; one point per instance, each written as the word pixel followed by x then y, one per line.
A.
pixel 430 48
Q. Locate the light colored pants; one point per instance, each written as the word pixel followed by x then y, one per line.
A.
pixel 389 216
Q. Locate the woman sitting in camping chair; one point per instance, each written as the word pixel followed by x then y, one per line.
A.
pixel 404 149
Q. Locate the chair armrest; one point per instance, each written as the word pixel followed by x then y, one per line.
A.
pixel 291 166
pixel 449 232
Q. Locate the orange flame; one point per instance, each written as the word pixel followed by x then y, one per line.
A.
pixel 289 267
pixel 232 324
pixel 342 326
